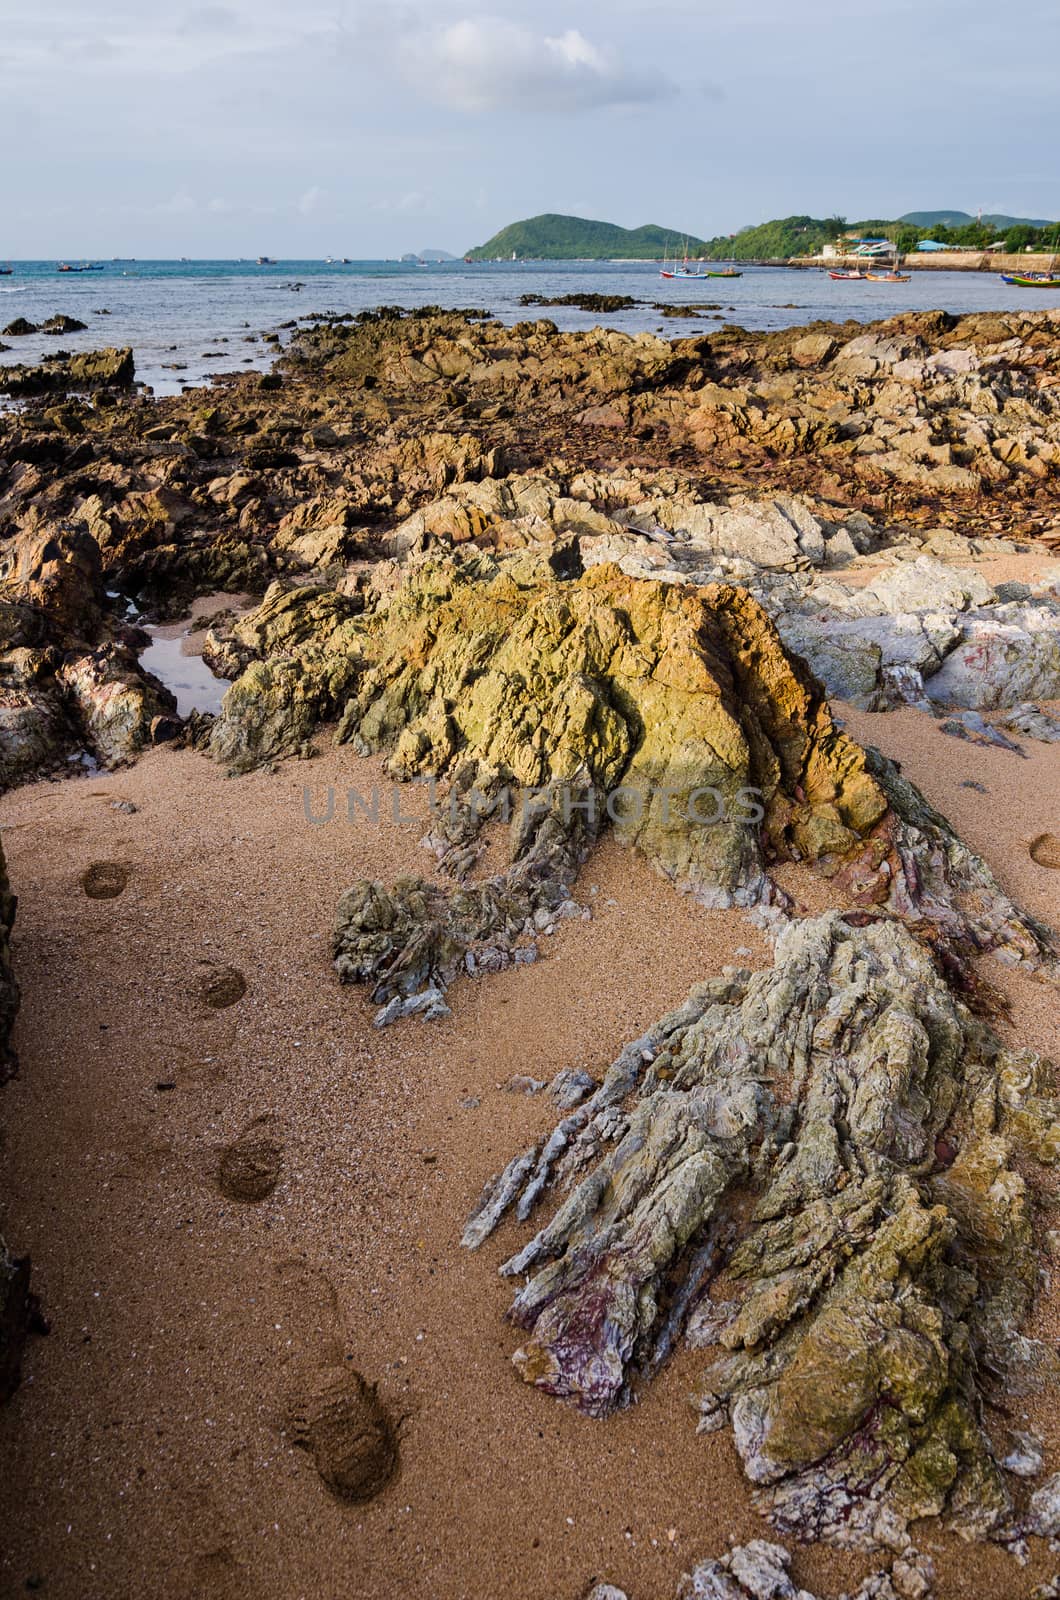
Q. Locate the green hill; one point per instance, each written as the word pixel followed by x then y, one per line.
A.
pixel 804 236
pixel 555 238
pixel 961 219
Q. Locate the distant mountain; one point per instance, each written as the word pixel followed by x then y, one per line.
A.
pixel 555 238
pixel 428 255
pixel 961 219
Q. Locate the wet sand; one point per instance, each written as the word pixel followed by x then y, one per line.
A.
pixel 149 1450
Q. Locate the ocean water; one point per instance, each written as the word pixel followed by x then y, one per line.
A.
pixel 189 320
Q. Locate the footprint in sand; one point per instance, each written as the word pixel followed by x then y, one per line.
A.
pixel 250 1167
pixel 1045 850
pixel 221 987
pixel 105 880
pixel 217 1575
pixel 348 1433
pixel 332 1411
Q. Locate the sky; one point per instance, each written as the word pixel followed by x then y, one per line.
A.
pixel 367 128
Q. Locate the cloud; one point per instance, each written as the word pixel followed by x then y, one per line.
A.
pixel 179 204
pixel 488 64
pixel 414 203
pixel 310 200
pixel 209 19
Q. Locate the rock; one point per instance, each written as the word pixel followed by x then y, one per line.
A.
pixel 1025 1459
pixel 761 1571
pixel 970 725
pixel 927 585
pixel 274 706
pixel 874 662
pixel 62 324
pixel 569 1088
pixel 1007 655
pixel 1032 722
pixel 119 708
pixel 57 572
pixel 584 690
pixel 1043 1517
pixel 542 701
pixel 865 1273
pixel 813 350
pixel 96 368
pixel 347 1431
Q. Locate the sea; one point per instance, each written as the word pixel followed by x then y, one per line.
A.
pixel 191 321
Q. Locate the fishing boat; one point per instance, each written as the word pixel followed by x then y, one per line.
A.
pixel 889 277
pixel 684 271
pixel 727 272
pixel 848 277
pixel 85 267
pixel 5 272
pixel 1030 281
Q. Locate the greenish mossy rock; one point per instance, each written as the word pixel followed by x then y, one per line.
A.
pixel 826 1148
pixel 667 712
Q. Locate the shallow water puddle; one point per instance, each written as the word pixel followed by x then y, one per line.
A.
pixel 185 674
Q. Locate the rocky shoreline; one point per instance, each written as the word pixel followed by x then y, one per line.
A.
pixel 529 571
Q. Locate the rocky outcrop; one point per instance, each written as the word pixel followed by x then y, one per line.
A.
pixel 812 1169
pixel 761 1571
pixel 95 369
pixel 668 713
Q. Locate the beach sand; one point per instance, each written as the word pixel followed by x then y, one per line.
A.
pixel 149 1449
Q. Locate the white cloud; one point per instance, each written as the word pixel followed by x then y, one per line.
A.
pixel 488 64
pixel 414 203
pixel 179 204
pixel 310 200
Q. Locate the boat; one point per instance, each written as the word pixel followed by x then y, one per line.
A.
pixel 5 272
pixel 847 277
pixel 1030 281
pixel 265 261
pixel 889 277
pixel 729 272
pixel 86 267
pixel 684 270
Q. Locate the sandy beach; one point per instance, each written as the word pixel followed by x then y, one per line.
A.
pixel 150 1444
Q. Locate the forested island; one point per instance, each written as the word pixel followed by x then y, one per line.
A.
pixel 552 237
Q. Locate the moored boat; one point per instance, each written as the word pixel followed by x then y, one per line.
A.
pixel 848 277
pixel 1030 281
pixel 888 277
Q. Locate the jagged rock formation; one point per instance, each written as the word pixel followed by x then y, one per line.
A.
pixel 670 713
pixel 761 1571
pixel 95 368
pixel 827 1148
